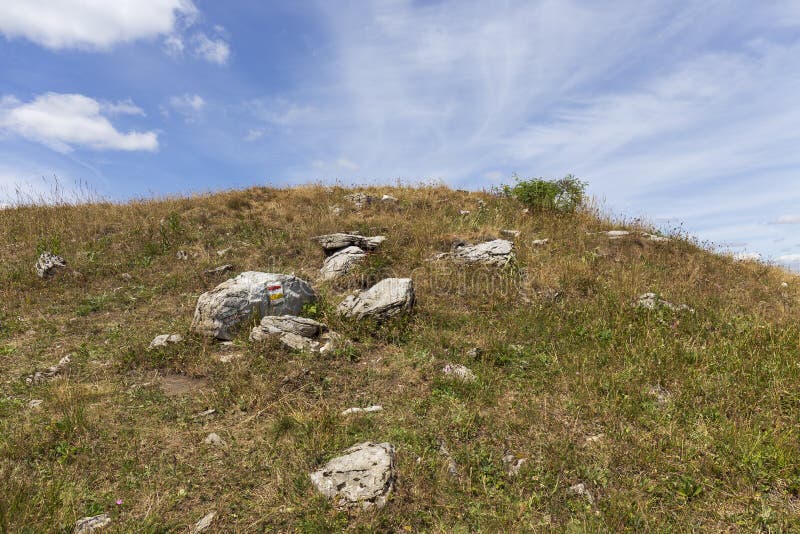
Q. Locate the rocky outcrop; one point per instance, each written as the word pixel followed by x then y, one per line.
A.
pixel 341 262
pixel 49 265
pixel 296 333
pixel 387 298
pixel 332 243
pixel 497 253
pixel 234 301
pixel 363 476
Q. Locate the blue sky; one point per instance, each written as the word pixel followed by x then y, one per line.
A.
pixel 679 112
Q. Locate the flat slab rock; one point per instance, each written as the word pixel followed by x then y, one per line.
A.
pixel 341 262
pixel 234 301
pixel 497 252
pixel 387 298
pixel 48 265
pixel 296 333
pixel 363 476
pixel 331 243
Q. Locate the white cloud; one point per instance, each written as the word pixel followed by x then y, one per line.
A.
pixel 187 102
pixel 173 45
pixel 254 134
pixel 65 121
pixel 124 107
pixel 747 256
pixel 212 50
pixel 788 219
pixel 91 24
pixel 346 164
pixel 789 259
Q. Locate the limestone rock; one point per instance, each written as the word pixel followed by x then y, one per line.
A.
pixel 48 265
pixel 387 298
pixel 513 464
pixel 219 270
pixel 510 233
pixel 164 339
pixel 368 409
pixel 539 242
pixel 204 523
pixel 498 253
pixel 90 524
pixel 35 403
pixel 334 242
pixel 234 301
pixel 341 262
pixel 616 234
pixel 50 372
pixel 579 490
pixel 182 255
pixel 297 333
pixel 651 301
pixel 655 238
pixel 464 213
pixel 459 372
pixel 363 476
pixel 214 439
pixel 389 199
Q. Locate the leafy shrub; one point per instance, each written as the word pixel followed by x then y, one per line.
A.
pixel 564 195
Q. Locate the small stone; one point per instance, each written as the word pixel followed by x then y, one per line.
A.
pixel 579 490
pixel 363 476
pixel 655 238
pixel 510 233
pixel 540 242
pixel 474 353
pixel 204 523
pixel 662 396
pixel 459 372
pixel 368 409
pixel 214 439
pixel 48 265
pixel 126 276
pixel 228 358
pixel 35 403
pixel 220 270
pixel 513 464
pixel 90 524
pixel 651 301
pixel 464 212
pixel 205 413
pixel 784 285
pixel 389 199
pixel 616 234
pixel 597 438
pixel 222 252
pixel 452 467
pixel 163 340
pixel 387 298
pixel 50 372
pixel 182 255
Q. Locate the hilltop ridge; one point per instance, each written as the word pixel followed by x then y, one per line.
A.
pixel 596 381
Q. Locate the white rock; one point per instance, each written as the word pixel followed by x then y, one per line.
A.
pixel 49 265
pixel 784 284
pixel 510 233
pixel 389 199
pixel 204 523
pixel 656 238
pixel 221 269
pixel 50 372
pixel 297 333
pixel 234 301
pixel 616 234
pixel 35 403
pixel 513 464
pixel 387 298
pixel 182 255
pixel 464 212
pixel 459 372
pixel 539 242
pixel 331 243
pixel 498 252
pixel 341 262
pixel 363 476
pixel 651 301
pixel 597 438
pixel 165 339
pixel 361 199
pixel 368 409
pixel 90 524
pixel 222 252
pixel 214 439
pixel 579 490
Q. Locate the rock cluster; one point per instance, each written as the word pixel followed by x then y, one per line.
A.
pixel 387 298
pixel 50 372
pixel 48 265
pixel 344 251
pixel 234 301
pixel 363 476
pixel 297 333
pixel 331 243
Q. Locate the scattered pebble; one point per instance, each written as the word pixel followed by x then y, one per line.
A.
pixel 206 413
pixel 35 403
pixel 464 212
pixel 460 372
pixel 90 524
pixel 540 242
pixel 222 252
pixel 594 439
pixel 214 439
pixel 182 255
pixel 163 340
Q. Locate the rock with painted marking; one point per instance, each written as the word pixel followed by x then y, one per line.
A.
pixel 220 311
pixel 363 476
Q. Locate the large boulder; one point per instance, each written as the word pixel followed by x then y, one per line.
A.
pixel 363 476
pixel 252 293
pixel 498 253
pixel 297 333
pixel 341 262
pixel 48 265
pixel 331 243
pixel 387 298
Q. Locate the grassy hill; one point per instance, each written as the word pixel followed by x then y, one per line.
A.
pixel 671 420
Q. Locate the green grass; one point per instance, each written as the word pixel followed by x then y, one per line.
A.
pixel 564 357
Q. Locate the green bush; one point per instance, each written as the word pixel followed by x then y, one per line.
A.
pixel 564 195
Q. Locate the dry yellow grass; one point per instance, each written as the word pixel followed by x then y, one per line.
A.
pixel 564 357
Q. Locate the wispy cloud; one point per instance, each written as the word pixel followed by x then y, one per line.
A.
pixel 213 50
pixel 63 122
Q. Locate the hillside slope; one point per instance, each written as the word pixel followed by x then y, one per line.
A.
pixel 672 420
